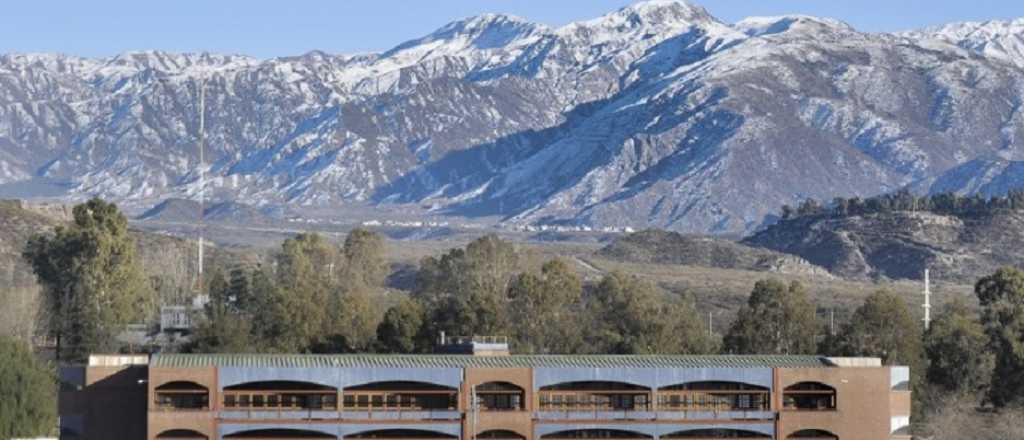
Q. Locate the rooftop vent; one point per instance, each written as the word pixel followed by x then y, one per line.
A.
pixel 475 345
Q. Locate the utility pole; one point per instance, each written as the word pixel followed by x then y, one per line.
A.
pixel 711 326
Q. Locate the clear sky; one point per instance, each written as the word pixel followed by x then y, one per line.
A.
pixel 268 28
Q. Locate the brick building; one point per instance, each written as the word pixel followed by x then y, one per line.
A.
pixel 499 397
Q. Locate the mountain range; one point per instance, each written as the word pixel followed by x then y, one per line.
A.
pixel 655 115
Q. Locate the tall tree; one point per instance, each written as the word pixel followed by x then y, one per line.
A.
pixel 545 309
pixel 1002 312
pixel 299 309
pixel 777 319
pixel 93 282
pixel 955 343
pixel 401 329
pixel 364 258
pixel 29 391
pixel 883 327
pixel 466 290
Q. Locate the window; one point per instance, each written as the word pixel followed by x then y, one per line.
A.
pixel 713 396
pixel 182 396
pixel 809 396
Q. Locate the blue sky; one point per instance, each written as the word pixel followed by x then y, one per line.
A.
pixel 268 28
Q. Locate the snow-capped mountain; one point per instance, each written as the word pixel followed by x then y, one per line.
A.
pixel 996 39
pixel 657 114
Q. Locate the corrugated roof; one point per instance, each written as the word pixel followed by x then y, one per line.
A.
pixel 464 361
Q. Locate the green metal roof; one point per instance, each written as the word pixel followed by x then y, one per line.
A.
pixel 470 361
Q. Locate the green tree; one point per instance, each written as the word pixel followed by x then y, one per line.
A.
pixel 466 290
pixel 92 280
pixel 352 322
pixel 883 327
pixel 400 330
pixel 224 327
pixel 956 347
pixel 299 309
pixel 1002 312
pixel 364 258
pixel 29 407
pixel 545 308
pixel 777 319
pixel 628 315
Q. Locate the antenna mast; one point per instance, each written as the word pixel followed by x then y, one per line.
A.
pixel 202 176
pixel 927 300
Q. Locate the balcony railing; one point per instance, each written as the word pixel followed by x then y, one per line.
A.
pixel 311 414
pixel 654 415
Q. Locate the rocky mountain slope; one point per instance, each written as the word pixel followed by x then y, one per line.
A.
pixel 658 114
pixel 902 244
pixel 663 247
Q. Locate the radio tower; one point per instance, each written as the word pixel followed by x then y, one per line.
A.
pixel 202 179
pixel 927 301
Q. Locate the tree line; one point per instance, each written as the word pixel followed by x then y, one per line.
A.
pixel 318 297
pixel 903 200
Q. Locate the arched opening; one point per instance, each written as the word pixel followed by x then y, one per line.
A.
pixel 500 434
pixel 809 396
pixel 714 396
pixel 182 395
pixel 280 434
pixel 182 434
pixel 280 395
pixel 500 396
pixel 595 396
pixel 400 434
pixel 707 434
pixel 400 396
pixel 595 434
pixel 814 434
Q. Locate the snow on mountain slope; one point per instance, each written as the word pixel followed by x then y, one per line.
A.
pixel 657 114
pixel 996 39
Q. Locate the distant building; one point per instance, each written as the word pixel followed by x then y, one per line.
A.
pixel 486 395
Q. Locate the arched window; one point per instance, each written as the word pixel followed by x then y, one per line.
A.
pixel 182 395
pixel 500 396
pixel 813 434
pixel 181 434
pixel 594 396
pixel 715 433
pixel 401 434
pixel 714 396
pixel 400 396
pixel 500 434
pixel 281 395
pixel 809 396
pixel 275 434
pixel 595 434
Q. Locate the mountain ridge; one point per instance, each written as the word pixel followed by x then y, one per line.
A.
pixel 657 114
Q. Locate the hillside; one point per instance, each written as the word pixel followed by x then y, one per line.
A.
pixel 901 244
pixel 661 247
pixel 655 115
pixel 170 262
pixel 175 210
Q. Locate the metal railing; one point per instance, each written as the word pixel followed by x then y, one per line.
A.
pixel 320 414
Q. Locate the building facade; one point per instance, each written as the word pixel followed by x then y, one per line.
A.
pixel 458 396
